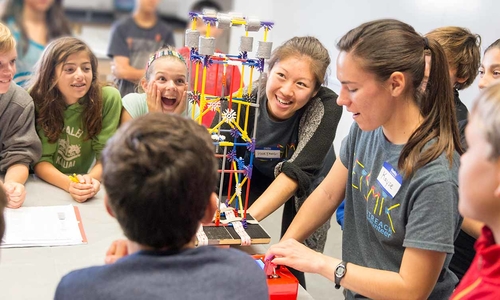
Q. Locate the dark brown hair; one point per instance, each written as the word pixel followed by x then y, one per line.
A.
pixel 49 101
pixel 57 23
pixel 462 49
pixel 159 171
pixel 387 46
pixel 305 46
pixel 495 44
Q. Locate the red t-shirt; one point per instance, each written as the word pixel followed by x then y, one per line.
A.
pixel 482 280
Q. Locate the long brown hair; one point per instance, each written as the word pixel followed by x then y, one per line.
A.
pixel 387 46
pixel 49 101
pixel 57 23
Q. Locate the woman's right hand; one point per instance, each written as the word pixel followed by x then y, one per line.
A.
pixel 153 98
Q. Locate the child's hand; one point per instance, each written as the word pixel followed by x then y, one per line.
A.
pixel 153 98
pixel 85 189
pixel 96 184
pixel 15 194
pixel 117 250
pixel 182 105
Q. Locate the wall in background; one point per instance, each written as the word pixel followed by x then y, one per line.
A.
pixel 176 8
pixel 330 19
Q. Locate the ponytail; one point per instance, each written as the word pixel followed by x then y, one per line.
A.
pixel 437 106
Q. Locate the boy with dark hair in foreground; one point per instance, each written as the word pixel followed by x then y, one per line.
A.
pixel 160 172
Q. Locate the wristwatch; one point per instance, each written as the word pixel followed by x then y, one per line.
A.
pixel 340 271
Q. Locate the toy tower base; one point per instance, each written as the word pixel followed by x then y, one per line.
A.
pixel 283 285
pixel 225 234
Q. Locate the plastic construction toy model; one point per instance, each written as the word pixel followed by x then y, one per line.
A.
pixel 231 130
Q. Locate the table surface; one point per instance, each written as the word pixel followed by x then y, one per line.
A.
pixel 33 273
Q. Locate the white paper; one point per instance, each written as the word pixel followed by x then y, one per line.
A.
pixel 41 226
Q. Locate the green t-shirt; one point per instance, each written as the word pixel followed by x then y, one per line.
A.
pixel 73 153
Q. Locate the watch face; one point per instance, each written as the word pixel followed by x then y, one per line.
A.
pixel 340 271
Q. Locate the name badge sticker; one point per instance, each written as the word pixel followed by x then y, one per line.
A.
pixel 268 153
pixel 390 179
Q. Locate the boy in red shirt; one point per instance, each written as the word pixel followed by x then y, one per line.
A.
pixel 479 189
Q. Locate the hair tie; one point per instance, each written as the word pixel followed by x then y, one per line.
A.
pixel 427 70
pixel 426 43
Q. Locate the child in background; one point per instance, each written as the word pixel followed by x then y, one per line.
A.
pixel 397 170
pixel 34 24
pixel 75 116
pixel 160 202
pixel 20 146
pixel 463 51
pixel 489 72
pixel 133 39
pixel 479 188
pixel 165 85
pixel 214 77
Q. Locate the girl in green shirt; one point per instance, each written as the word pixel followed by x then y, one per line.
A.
pixel 75 116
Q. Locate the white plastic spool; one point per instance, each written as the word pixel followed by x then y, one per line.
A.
pixel 207 45
pixel 223 21
pixel 192 37
pixel 246 44
pixel 253 24
pixel 264 50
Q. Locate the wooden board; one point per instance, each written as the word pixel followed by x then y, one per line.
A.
pixel 226 235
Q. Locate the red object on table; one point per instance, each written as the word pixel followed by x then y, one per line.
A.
pixel 281 283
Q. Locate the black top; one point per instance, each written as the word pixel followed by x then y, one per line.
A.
pixel 464 244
